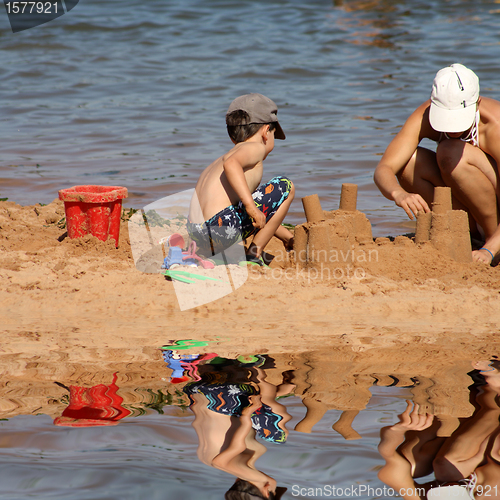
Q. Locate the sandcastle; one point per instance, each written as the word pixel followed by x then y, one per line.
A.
pixel 446 229
pixel 335 239
pixel 329 238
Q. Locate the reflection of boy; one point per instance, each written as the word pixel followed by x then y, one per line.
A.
pixel 230 203
pixel 232 404
pixel 228 397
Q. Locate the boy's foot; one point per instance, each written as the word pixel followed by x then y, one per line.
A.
pixel 255 261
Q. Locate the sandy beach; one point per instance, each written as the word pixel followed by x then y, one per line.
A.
pixel 63 293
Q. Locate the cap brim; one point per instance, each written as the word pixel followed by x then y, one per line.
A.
pixel 279 134
pixel 451 120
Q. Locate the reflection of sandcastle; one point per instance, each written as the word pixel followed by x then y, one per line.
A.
pixel 338 379
pixel 332 239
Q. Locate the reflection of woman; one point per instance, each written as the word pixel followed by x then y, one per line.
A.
pixel 465 465
pixel 232 405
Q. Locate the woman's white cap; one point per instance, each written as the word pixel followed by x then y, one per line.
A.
pixel 454 95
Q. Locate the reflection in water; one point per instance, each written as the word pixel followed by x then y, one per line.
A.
pixel 465 460
pixel 233 403
pixel 97 405
pixel 302 421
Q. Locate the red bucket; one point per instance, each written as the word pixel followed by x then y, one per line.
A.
pixel 93 210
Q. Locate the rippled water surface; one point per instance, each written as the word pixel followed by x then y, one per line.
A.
pixel 139 426
pixel 134 93
pixel 154 456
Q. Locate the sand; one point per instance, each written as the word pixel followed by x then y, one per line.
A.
pixel 78 310
pixel 91 293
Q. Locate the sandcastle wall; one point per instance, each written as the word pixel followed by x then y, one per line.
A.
pixel 328 238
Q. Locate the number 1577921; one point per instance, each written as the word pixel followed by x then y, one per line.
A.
pixel 31 7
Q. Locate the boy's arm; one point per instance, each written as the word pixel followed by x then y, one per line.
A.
pixel 245 157
pixel 395 158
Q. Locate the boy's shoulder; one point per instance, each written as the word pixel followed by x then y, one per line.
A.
pixel 247 152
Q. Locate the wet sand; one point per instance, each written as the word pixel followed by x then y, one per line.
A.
pixel 337 376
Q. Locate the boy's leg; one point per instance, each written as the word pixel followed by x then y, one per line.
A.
pixel 285 236
pixel 231 224
pixel 273 199
pixel 271 228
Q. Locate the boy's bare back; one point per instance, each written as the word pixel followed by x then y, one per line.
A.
pixel 213 189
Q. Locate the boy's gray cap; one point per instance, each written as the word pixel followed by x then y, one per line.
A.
pixel 260 108
pixel 455 92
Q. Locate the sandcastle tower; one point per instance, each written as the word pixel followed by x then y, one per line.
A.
pixel 328 238
pixel 446 229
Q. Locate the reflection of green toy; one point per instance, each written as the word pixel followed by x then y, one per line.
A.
pixel 184 276
pixel 250 360
pixel 185 344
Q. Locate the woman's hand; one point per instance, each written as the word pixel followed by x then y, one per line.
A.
pixel 482 255
pixel 411 420
pixel 411 203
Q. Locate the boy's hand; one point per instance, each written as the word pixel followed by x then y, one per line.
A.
pixel 258 218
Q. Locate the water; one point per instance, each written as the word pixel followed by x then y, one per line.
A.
pixel 134 93
pixel 149 447
pixel 154 456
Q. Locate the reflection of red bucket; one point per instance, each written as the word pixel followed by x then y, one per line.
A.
pixel 93 406
pixel 93 210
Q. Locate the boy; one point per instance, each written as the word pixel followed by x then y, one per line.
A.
pixel 467 130
pixel 228 203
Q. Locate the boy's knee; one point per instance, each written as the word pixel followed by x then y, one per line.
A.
pixel 289 186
